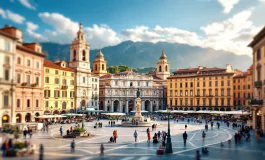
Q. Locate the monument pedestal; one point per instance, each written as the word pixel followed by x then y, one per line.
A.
pixel 138 115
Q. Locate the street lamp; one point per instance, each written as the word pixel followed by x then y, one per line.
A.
pixel 168 144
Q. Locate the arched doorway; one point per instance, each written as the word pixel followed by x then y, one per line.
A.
pixel 56 112
pixel 186 108
pixel 222 109
pixel 123 108
pixel 210 108
pixel 64 105
pixel 154 108
pixel 46 112
pixel 147 105
pixel 108 108
pixel 203 108
pixel 198 108
pixel 36 116
pixel 191 108
pixel 228 109
pixel 216 109
pixel 28 117
pixel 63 112
pixel 181 108
pixel 83 103
pixel 72 111
pixel 116 106
pixel 101 105
pixel 131 105
pixel 18 118
pixel 5 119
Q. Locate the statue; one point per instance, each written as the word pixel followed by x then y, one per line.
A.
pixel 138 93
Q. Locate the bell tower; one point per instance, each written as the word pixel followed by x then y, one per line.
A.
pixel 162 67
pixel 79 52
pixel 99 64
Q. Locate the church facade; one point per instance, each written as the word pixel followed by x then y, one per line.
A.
pixel 118 91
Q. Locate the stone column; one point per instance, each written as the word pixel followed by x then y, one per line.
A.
pixel 112 106
pixel 127 107
pixel 121 107
pixel 151 106
pixel 254 119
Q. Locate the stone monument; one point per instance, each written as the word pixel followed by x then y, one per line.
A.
pixel 138 115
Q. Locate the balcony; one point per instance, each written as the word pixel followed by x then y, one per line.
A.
pixel 258 84
pixel 64 87
pixel 256 102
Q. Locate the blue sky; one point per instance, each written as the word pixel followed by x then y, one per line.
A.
pixel 219 24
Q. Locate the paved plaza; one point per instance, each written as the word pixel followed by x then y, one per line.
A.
pixel 126 149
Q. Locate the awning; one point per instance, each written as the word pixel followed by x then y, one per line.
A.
pixel 114 114
pixel 206 112
pixel 142 111
pixel 50 116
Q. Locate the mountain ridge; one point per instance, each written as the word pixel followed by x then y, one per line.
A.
pixel 146 54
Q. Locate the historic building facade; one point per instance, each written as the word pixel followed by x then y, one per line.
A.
pixel 100 65
pixel 7 77
pixel 242 84
pixel 201 88
pixel 86 83
pixel 118 91
pixel 257 102
pixel 59 88
pixel 28 77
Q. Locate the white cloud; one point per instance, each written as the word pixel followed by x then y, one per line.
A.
pixel 15 17
pixel 65 31
pixel 228 4
pixel 27 4
pixel 2 13
pixel 31 27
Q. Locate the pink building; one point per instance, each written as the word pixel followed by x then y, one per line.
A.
pixel 28 77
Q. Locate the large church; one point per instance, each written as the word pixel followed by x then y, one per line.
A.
pixel 118 91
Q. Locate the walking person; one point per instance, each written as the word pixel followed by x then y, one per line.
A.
pixel 25 133
pixel 148 137
pixel 73 146
pixel 30 133
pixel 197 155
pixel 102 149
pixel 5 148
pixel 61 131
pixel 186 126
pixel 41 152
pixel 115 135
pixel 135 136
pixel 203 135
pixel 185 137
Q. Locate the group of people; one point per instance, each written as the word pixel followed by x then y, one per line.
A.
pixel 9 145
pixel 98 125
pixel 113 139
pixel 112 123
pixel 26 131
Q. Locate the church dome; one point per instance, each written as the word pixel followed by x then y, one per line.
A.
pixel 163 55
pixel 99 54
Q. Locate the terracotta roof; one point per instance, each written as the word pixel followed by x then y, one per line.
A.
pixel 7 35
pixel 199 75
pixel 106 76
pixel 51 64
pixel 251 67
pixel 26 49
pixel 240 76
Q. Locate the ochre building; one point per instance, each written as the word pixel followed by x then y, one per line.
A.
pixel 201 88
pixel 59 88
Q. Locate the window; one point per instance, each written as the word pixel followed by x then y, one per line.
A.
pixel 56 72
pixel 180 93
pixel 28 79
pixel 210 101
pixel 170 85
pixel 47 104
pixel 204 101
pixel 170 92
pixel 238 87
pixel 176 85
pixel 228 101
pixel 38 65
pixel 191 84
pixel 6 74
pixel 238 95
pixel 131 84
pixel 47 70
pixel 222 92
pixel 228 92
pixel 186 101
pixel 198 102
pixel 180 102
pixel 186 92
pixel 37 103
pixel 56 80
pixel 186 85
pixel 47 79
pixel 72 82
pixel 258 54
pixel 216 92
pixel 259 73
pixel 191 92
pixel 5 100
pixel 216 83
pixel 64 82
pixel 210 84
pixel 203 84
pixel 84 79
pixel 18 103
pixel 180 85
pixel 72 74
pixel 216 101
pixel 210 92
pixel 222 102
pixel 176 93
pixel 28 63
pixel 198 92
pixel 191 102
pixel 7 46
pixel 228 82
pixel 84 55
pixel 198 84
pixel 47 93
pixel 18 60
pixel 222 83
pixel 74 57
pixel 28 102
pixel 244 87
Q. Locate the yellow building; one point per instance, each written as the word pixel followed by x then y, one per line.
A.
pixel 242 82
pixel 201 88
pixel 59 87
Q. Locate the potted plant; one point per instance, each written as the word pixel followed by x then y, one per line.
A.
pixel 24 84
pixel 79 131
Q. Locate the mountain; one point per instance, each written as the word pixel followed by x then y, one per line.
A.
pixel 146 54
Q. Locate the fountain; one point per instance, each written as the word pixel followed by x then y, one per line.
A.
pixel 141 120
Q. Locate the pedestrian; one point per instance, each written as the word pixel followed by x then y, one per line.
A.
pixel 25 133
pixel 258 136
pixel 147 130
pixel 185 137
pixel 236 138
pixel 186 126
pixel 41 152
pixel 61 131
pixel 218 125
pixel 197 155
pixel 102 149
pixel 73 146
pixel 159 135
pixel 5 148
pixel 203 135
pixel 115 135
pixel 148 137
pixel 135 136
pixel 109 123
pixel 30 132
